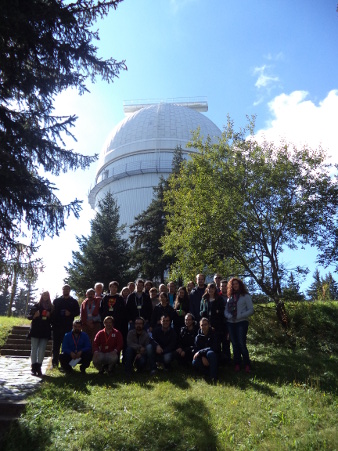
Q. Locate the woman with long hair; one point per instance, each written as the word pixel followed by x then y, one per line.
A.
pixel 237 311
pixel 181 307
pixel 212 307
pixel 40 331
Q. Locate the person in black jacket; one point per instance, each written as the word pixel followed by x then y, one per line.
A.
pixel 181 307
pixel 163 308
pixel 113 304
pixel 186 340
pixel 212 307
pixel 162 344
pixel 205 358
pixel 139 304
pixel 40 331
pixel 66 308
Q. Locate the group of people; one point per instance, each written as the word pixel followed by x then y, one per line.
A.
pixel 148 327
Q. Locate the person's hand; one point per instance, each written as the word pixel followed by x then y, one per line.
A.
pixel 205 361
pixel 67 313
pixel 73 355
pixel 159 350
pixel 196 355
pixel 36 314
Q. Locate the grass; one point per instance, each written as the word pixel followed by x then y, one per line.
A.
pixel 6 325
pixel 288 402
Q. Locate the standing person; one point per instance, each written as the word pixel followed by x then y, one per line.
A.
pixel 181 307
pixel 98 287
pixel 190 286
pixel 125 292
pixel 212 307
pixel 66 308
pixel 112 304
pixel 237 311
pixel 217 281
pixel 131 286
pixel 147 285
pixel 153 296
pixel 225 356
pixel 171 293
pixel 90 314
pixel 137 342
pixel 139 304
pixel 162 288
pixel 205 358
pixel 108 344
pixel 40 331
pixel 186 340
pixel 196 296
pixel 76 345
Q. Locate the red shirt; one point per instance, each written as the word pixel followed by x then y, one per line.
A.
pixel 108 343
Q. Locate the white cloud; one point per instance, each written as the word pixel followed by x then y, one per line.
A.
pixel 264 79
pixel 302 122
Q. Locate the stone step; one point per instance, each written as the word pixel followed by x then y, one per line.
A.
pixel 11 408
pixel 20 330
pixel 16 352
pixel 14 342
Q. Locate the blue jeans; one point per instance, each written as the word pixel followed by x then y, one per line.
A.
pixel 38 348
pixel 129 358
pixel 212 368
pixel 238 333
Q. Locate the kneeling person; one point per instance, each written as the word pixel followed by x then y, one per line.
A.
pixel 163 344
pixel 108 344
pixel 76 345
pixel 137 342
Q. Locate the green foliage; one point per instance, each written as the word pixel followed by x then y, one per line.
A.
pixel 291 290
pixel 104 255
pixel 45 48
pixel 244 202
pixel 323 288
pixel 289 401
pixel 148 229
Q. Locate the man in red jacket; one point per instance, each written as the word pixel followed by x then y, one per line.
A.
pixel 108 344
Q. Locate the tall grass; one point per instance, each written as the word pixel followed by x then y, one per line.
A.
pixel 288 402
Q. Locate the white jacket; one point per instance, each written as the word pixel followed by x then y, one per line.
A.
pixel 244 309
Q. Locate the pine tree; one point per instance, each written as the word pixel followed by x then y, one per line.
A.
pixel 46 47
pixel 147 256
pixel 291 290
pixel 103 256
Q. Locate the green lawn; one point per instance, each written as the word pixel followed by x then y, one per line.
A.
pixel 6 325
pixel 289 401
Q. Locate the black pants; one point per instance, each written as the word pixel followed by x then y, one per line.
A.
pixel 58 334
pixel 86 358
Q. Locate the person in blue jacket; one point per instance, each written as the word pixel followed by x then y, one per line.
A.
pixel 76 345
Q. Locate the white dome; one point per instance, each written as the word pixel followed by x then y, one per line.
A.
pixel 140 150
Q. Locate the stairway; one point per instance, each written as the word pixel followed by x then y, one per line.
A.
pixel 19 345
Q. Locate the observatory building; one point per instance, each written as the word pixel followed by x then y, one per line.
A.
pixel 140 150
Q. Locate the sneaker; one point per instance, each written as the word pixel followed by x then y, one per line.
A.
pixel 237 368
pixel 247 368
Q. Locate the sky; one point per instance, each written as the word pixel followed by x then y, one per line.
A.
pixel 276 59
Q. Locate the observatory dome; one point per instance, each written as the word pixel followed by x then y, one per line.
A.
pixel 140 149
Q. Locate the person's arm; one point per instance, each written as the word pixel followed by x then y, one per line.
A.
pixel 247 308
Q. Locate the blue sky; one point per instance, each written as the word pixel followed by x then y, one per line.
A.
pixel 276 59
